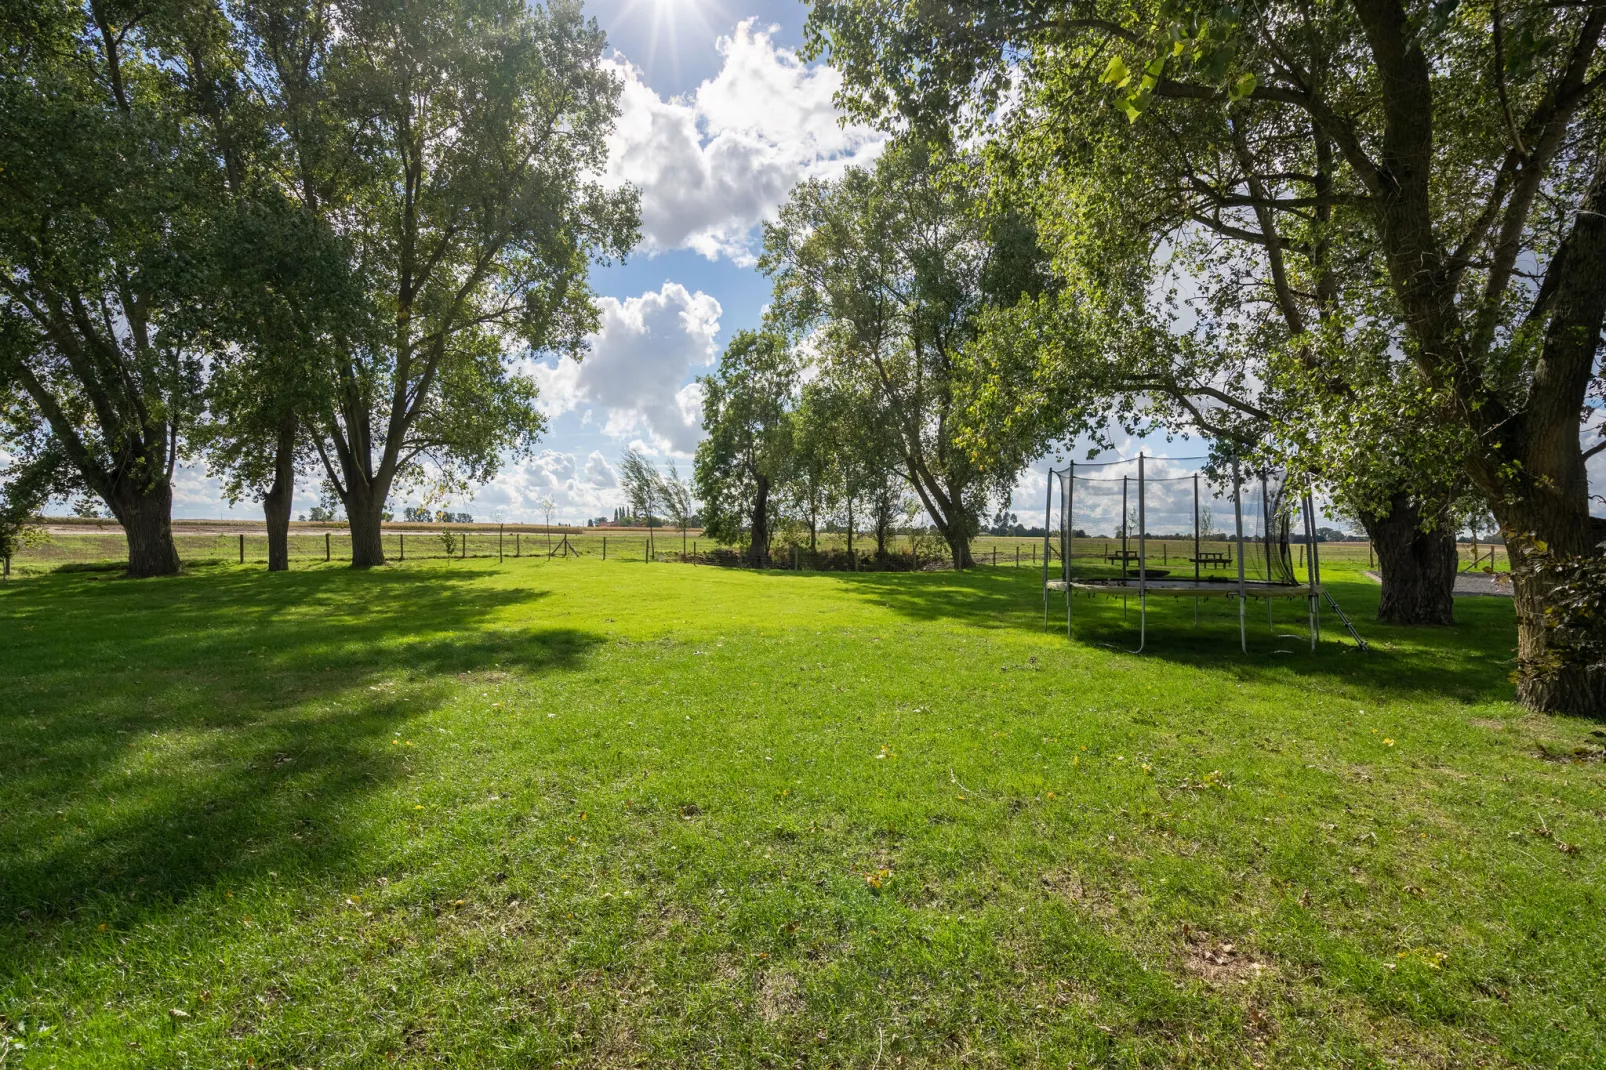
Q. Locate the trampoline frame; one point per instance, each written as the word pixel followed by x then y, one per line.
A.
pixel 1242 588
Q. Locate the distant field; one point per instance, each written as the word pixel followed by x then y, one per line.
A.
pixel 586 814
pixel 238 542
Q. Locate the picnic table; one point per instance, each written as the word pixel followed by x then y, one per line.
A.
pixel 1122 556
pixel 1212 558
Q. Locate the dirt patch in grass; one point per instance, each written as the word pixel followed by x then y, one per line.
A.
pixel 1219 962
pixel 1069 886
pixel 778 995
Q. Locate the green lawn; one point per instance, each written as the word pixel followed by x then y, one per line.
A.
pixel 611 814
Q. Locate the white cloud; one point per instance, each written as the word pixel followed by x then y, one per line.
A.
pixel 638 364
pixel 599 473
pixel 712 164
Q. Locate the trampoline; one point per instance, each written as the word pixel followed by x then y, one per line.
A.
pixel 1170 527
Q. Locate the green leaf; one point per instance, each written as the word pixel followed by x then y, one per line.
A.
pixel 1116 73
pixel 1243 87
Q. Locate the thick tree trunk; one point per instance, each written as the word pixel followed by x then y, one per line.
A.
pixel 1548 679
pixel 759 551
pixel 276 503
pixel 147 521
pixel 363 518
pixel 959 550
pixel 1417 567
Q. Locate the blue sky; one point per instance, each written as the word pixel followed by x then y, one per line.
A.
pixel 719 120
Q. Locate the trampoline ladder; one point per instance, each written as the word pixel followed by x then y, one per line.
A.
pixel 1359 642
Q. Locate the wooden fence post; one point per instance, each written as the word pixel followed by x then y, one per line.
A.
pixel 326 546
pixel 403 538
pixel 499 544
pixel 464 555
pixel 242 547
pixel 605 547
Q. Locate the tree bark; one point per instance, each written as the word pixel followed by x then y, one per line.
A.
pixel 759 549
pixel 1565 687
pixel 363 517
pixel 1417 567
pixel 276 502
pixel 147 520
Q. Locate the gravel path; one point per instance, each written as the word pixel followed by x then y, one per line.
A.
pixel 1473 584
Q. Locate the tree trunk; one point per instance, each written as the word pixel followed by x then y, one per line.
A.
pixel 147 521
pixel 1417 567
pixel 1548 679
pixel 363 518
pixel 760 548
pixel 276 503
pixel 959 550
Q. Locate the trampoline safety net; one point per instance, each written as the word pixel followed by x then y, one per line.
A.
pixel 1189 518
pixel 1150 526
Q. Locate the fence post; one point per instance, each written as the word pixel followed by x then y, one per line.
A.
pixel 646 553
pixel 499 544
pixel 515 544
pixel 242 547
pixel 326 546
pixel 605 547
pixel 403 539
pixel 995 557
pixel 464 555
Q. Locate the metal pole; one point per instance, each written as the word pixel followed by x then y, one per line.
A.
pixel 1126 532
pixel 1068 537
pixel 1265 534
pixel 1143 567
pixel 1314 574
pixel 1048 520
pixel 1238 520
pixel 1196 545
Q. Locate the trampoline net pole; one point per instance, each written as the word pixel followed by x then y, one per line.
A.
pixel 1143 563
pixel 1048 522
pixel 1238 520
pixel 1068 535
pixel 1196 546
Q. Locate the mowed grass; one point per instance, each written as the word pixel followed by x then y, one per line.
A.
pixel 576 813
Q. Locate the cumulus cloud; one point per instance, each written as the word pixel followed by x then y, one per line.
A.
pixel 713 163
pixel 599 473
pixel 637 367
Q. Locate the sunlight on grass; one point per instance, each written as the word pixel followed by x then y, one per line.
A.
pixel 607 814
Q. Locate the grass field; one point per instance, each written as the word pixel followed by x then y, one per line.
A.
pixel 612 814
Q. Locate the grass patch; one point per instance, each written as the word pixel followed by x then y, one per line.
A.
pixel 576 813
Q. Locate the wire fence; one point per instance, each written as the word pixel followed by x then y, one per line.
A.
pixel 107 549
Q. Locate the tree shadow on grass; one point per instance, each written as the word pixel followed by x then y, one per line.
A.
pixel 166 737
pixel 1469 662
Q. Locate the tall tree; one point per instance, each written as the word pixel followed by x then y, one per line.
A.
pixel 891 269
pixel 747 405
pixel 1456 150
pixel 455 146
pixel 106 184
pixel 288 304
pixel 643 488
